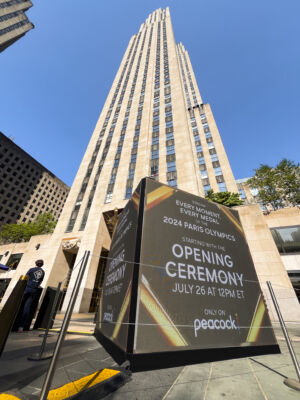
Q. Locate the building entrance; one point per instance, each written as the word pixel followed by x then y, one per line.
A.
pixel 70 258
pixel 98 281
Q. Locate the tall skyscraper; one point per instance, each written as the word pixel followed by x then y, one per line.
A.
pixel 153 123
pixel 13 21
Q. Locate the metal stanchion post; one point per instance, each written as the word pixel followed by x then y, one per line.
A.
pixel 288 381
pixel 39 356
pixel 60 339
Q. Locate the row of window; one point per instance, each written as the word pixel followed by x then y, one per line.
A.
pixel 10 15
pixel 11 3
pixel 199 150
pixel 134 149
pixel 108 196
pixel 111 184
pixel 209 140
pixel 154 162
pixel 84 184
pixel 200 155
pixel 156 14
pixel 15 208
pixel 170 143
pixel 14 26
pixel 187 96
pixel 190 80
pixel 20 191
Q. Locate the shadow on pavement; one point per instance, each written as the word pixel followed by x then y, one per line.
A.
pixel 264 365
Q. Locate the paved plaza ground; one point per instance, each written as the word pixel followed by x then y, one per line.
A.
pixel 256 378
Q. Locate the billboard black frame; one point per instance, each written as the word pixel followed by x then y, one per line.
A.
pixel 170 359
pixel 166 359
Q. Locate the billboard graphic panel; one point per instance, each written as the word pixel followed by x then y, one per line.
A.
pixel 117 285
pixel 197 284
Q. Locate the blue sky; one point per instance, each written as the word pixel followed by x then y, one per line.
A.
pixel 245 54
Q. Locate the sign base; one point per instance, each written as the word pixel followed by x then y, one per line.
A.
pixel 170 359
pixel 292 383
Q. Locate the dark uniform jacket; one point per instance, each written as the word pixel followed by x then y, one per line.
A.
pixel 36 276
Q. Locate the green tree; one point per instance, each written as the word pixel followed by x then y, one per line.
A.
pixel 228 199
pixel 15 233
pixel 12 233
pixel 45 223
pixel 277 186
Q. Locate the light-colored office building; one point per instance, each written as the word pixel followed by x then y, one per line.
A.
pixel 153 123
pixel 13 21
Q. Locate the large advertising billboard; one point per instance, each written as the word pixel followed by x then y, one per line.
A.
pixel 195 286
pixel 197 282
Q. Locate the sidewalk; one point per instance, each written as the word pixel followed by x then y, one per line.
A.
pixel 79 322
pixel 249 378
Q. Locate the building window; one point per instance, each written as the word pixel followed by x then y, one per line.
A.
pixel 218 171
pixel 173 183
pixel 154 170
pixel 108 198
pixel 254 192
pixel 206 188
pixel 154 154
pixel 222 187
pixel 242 193
pixel 215 164
pixel 129 183
pixel 14 260
pixel 170 150
pixel 287 239
pixel 171 176
pixel 171 166
pixel 128 193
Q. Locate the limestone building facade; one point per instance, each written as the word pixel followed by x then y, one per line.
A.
pixel 153 123
pixel 13 21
